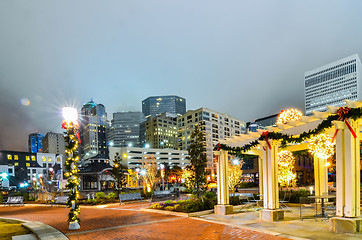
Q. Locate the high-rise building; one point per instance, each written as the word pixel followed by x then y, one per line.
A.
pixel 214 125
pixel 125 129
pixel 153 106
pixel 331 84
pixel 93 124
pixel 35 142
pixel 161 131
pixel 54 143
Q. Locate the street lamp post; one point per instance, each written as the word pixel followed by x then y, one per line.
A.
pixel 70 124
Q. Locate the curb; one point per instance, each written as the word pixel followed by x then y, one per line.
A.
pixel 180 214
pixel 40 230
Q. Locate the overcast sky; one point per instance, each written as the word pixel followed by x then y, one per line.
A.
pixel 244 58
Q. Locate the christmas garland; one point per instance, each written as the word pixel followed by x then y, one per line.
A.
pixel 343 114
pixel 72 139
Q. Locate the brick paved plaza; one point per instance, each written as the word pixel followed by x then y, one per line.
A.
pixel 127 222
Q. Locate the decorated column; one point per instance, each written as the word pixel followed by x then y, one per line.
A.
pixel 222 207
pixel 70 124
pixel 271 211
pixel 348 176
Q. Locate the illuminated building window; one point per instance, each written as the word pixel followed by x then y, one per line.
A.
pixel 49 159
pixel 16 164
pixel 28 164
pixel 33 158
pixel 44 159
pixel 27 158
pixel 16 157
pixel 9 157
pixel 58 159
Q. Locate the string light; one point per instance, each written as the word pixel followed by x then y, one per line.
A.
pixel 321 146
pixel 286 175
pixel 290 114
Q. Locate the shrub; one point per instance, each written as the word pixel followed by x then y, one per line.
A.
pixel 100 195
pixel 295 195
pixel 234 200
pixel 112 195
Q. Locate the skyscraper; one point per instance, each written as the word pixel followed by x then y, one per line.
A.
pixel 161 131
pixel 125 129
pixel 54 143
pixel 93 130
pixel 153 106
pixel 331 84
pixel 214 125
pixel 35 142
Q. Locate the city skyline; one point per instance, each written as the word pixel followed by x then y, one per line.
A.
pixel 244 59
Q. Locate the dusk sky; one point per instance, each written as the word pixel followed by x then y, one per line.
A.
pixel 244 58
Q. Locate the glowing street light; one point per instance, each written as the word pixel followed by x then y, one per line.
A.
pixel 236 162
pixel 4 175
pixel 143 172
pixel 70 115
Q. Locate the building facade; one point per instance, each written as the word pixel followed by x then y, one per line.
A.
pixel 125 129
pixel 153 106
pixel 331 84
pixel 23 168
pixel 133 157
pixel 161 131
pixel 35 142
pixel 93 124
pixel 54 143
pixel 214 125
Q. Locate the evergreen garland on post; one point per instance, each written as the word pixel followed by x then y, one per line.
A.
pixel 198 160
pixel 71 168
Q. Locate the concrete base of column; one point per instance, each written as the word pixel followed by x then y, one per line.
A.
pixel 223 209
pixel 74 226
pixel 271 215
pixel 345 225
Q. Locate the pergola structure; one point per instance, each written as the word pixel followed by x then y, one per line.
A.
pixel 347 133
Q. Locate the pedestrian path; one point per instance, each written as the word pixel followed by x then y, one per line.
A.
pixel 290 227
pixel 112 223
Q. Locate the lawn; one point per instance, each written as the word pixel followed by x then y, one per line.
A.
pixel 11 228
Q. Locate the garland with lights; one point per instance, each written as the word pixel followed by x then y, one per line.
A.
pixel 72 140
pixel 343 114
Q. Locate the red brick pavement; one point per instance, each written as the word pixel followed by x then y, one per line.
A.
pixel 118 222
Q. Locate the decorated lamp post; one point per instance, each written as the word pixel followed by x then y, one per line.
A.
pixel 70 124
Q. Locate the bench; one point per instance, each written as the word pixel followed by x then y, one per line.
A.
pixel 60 200
pixel 14 200
pixel 129 197
pixel 249 197
pixel 163 195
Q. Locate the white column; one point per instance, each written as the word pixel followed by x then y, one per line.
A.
pixel 270 175
pixel 320 176
pixel 261 176
pixel 348 170
pixel 222 178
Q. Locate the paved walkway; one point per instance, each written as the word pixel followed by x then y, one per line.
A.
pixel 291 225
pixel 127 222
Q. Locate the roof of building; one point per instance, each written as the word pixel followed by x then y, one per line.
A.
pixel 89 104
pixel 95 167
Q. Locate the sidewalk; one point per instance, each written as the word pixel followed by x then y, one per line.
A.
pixel 291 227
